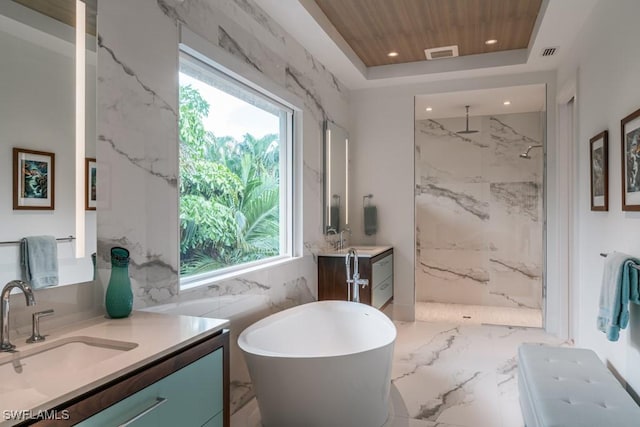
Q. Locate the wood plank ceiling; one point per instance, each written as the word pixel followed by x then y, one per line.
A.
pixel 373 28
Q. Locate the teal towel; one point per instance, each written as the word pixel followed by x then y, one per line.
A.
pixel 616 291
pixel 370 220
pixel 634 286
pixel 39 260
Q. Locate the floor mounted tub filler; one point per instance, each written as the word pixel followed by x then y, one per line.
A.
pixel 325 363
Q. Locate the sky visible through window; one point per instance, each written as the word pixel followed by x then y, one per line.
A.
pixel 230 116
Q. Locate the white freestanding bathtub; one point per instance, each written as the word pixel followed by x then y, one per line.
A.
pixel 321 364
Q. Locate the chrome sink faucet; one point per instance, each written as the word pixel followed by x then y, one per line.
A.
pixel 354 281
pixel 342 240
pixel 5 345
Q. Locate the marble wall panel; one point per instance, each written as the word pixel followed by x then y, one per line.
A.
pixel 255 21
pixel 443 154
pixel 516 228
pixel 515 288
pixel 461 275
pixel 479 211
pixel 234 39
pixel 452 218
pixel 136 145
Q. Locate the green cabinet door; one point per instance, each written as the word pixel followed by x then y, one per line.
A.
pixel 190 396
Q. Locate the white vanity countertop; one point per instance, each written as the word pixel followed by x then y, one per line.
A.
pixel 156 335
pixel 363 251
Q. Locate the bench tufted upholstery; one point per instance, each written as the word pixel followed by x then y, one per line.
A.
pixel 570 387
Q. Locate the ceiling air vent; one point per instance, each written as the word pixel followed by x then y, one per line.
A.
pixel 441 52
pixel 549 51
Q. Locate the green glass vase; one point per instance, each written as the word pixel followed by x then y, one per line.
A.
pixel 119 299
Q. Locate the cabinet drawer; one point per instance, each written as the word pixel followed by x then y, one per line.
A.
pixel 382 269
pixel 190 396
pixel 382 292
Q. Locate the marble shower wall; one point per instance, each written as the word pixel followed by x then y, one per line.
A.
pixel 479 211
pixel 137 150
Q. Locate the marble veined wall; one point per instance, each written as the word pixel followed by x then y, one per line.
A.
pixel 137 151
pixel 479 211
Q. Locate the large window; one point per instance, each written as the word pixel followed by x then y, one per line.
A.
pixel 235 174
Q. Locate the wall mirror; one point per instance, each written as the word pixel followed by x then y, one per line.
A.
pixel 48 105
pixel 336 178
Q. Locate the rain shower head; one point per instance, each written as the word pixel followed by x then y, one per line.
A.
pixel 466 131
pixel 526 155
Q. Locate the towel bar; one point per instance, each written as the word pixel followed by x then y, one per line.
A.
pixel 17 242
pixel 604 255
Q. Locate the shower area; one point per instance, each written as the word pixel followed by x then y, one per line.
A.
pixel 479 205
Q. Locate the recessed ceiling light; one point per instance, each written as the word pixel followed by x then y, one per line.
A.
pixel 429 109
pixel 392 54
pixel 507 102
pixel 491 41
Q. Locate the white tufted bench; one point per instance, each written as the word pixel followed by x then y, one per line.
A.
pixel 570 387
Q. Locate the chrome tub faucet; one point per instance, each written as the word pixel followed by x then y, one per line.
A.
pixel 354 281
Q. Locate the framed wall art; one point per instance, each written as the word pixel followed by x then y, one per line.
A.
pixel 630 138
pixel 599 148
pixel 90 184
pixel 33 179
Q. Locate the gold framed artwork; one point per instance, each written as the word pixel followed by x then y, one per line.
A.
pixel 90 184
pixel 630 139
pixel 33 179
pixel 599 149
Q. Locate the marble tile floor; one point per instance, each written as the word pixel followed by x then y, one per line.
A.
pixel 478 314
pixel 449 375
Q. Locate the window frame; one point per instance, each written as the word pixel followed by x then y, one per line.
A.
pixel 289 204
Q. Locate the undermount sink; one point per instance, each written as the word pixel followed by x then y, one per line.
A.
pixel 34 368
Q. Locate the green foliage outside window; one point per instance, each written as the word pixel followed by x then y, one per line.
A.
pixel 229 193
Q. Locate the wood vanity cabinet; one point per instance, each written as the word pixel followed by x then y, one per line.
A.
pixel 332 280
pixel 187 388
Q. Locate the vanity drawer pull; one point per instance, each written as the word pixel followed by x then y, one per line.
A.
pixel 385 286
pixel 159 401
